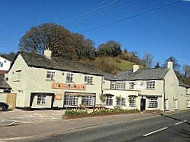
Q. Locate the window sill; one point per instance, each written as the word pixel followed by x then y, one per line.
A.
pixel 16 81
pixel 50 79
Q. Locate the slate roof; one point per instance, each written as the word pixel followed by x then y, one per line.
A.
pixel 150 73
pixel 3 83
pixel 58 63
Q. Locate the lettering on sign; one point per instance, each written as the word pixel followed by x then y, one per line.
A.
pixel 68 86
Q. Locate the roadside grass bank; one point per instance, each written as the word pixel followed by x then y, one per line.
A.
pixel 77 113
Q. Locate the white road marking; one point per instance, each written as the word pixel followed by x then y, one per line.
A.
pixel 156 131
pixel 181 122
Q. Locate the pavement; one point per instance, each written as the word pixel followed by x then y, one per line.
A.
pixel 42 127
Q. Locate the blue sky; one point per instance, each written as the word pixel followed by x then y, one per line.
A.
pixel 162 33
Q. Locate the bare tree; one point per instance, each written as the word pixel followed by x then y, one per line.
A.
pixel 186 69
pixel 147 59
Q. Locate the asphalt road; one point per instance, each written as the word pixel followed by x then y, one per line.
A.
pixel 174 128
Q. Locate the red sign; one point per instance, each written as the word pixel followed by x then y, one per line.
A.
pixel 68 86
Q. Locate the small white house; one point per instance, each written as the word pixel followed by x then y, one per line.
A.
pixel 4 65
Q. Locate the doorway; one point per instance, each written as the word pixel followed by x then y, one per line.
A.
pixel 143 104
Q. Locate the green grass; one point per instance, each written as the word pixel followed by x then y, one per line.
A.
pixel 124 65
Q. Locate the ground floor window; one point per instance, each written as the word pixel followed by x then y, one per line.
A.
pixel 153 102
pixel 109 100
pixel 41 99
pixel 132 101
pixel 121 102
pixel 71 100
pixel 88 100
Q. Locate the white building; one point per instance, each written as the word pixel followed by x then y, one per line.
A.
pixel 4 65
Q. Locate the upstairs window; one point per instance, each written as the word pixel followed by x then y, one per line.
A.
pixel 120 85
pixel 150 85
pixel 18 75
pixel 88 80
pixel 69 78
pixel 1 64
pixel 131 85
pixel 113 83
pixel 50 75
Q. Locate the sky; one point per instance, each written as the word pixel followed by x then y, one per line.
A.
pixel 162 30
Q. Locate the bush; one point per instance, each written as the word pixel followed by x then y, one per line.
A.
pixel 75 112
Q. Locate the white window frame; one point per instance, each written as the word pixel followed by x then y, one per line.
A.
pixel 1 64
pixel 50 75
pixel 87 100
pixel 18 75
pixel 71 100
pixel 153 102
pixel 120 85
pixel 69 78
pixel 132 101
pixel 131 85
pixel 121 102
pixel 88 80
pixel 41 99
pixel 150 85
pixel 113 85
pixel 188 103
pixel 109 100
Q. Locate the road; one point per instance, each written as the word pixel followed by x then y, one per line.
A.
pixel 170 128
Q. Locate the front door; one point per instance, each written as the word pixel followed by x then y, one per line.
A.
pixel 143 104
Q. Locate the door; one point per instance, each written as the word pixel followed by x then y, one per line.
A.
pixel 143 104
pixel 176 104
pixel 11 100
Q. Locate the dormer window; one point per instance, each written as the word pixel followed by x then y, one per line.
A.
pixel 50 75
pixel 150 85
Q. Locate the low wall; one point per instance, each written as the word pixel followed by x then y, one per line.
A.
pixel 3 97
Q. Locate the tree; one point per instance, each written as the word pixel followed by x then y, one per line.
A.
pixel 110 48
pixel 147 60
pixel 175 63
pixel 186 69
pixel 61 41
pixel 157 65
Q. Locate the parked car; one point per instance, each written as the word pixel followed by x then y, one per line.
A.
pixel 3 106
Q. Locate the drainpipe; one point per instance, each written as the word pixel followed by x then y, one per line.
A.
pixel 164 93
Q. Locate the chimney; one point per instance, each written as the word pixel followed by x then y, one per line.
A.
pixel 170 65
pixel 135 68
pixel 47 53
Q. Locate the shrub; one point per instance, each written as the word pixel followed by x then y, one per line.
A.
pixel 75 112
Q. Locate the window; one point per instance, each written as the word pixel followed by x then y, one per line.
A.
pixel 153 102
pixel 188 103
pixel 150 85
pixel 88 80
pixel 41 99
pixel 117 85
pixel 71 100
pixel 120 85
pixel 69 78
pixel 50 75
pixel 109 100
pixel 113 83
pixel 87 100
pixel 132 101
pixel 1 64
pixel 131 85
pixel 121 102
pixel 18 75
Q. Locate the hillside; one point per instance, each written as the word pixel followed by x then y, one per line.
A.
pixel 110 64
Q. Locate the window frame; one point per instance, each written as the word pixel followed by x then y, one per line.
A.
pixel 150 85
pixel 52 75
pixel 1 64
pixel 121 102
pixel 132 101
pixel 109 100
pixel 153 102
pixel 87 100
pixel 132 85
pixel 71 100
pixel 88 80
pixel 69 78
pixel 41 99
